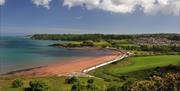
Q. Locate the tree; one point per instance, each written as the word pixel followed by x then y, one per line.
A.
pixel 17 83
pixel 90 81
pixel 77 87
pixel 38 85
pixel 72 80
pixel 92 87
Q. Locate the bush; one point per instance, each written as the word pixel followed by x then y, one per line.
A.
pixel 72 80
pixel 77 87
pixel 38 85
pixel 90 81
pixel 144 85
pixel 92 87
pixel 169 82
pixel 17 83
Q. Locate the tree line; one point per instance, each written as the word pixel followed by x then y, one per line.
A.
pixel 79 37
pixel 82 37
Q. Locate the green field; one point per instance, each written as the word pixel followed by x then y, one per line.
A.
pixel 135 66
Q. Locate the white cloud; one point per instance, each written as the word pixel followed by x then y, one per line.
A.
pixel 44 3
pixel 162 6
pixel 129 6
pixel 149 7
pixel 2 2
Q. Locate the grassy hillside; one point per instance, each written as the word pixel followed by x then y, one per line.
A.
pixel 137 65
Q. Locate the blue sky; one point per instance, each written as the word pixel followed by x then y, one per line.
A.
pixel 66 16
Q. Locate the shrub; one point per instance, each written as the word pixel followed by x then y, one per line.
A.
pixel 144 85
pixel 17 83
pixel 169 82
pixel 72 80
pixel 172 81
pixel 38 85
pixel 77 87
pixel 92 87
pixel 90 81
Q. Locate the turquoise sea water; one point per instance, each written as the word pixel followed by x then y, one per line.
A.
pixel 20 53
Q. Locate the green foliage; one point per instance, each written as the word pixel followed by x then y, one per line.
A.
pixel 79 37
pixel 160 48
pixel 144 85
pixel 87 43
pixel 91 86
pixel 175 37
pixel 153 48
pixel 126 42
pixel 38 85
pixel 17 83
pixel 72 80
pixel 55 83
pixel 90 81
pixel 77 87
pixel 98 37
pixel 170 82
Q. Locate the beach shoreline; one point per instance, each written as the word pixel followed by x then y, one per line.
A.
pixel 65 68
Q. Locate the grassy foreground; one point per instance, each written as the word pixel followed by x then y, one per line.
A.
pixel 55 83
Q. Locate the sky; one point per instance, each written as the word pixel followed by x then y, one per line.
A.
pixel 19 17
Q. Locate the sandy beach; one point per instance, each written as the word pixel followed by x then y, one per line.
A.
pixel 66 67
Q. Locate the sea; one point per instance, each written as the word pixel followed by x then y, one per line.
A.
pixel 19 52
